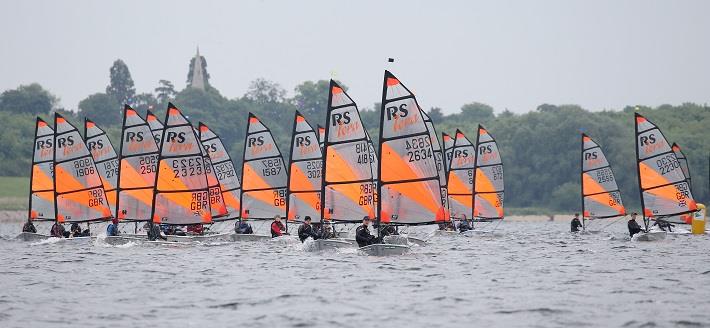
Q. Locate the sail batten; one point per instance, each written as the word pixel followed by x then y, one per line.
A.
pixel 41 200
pixel 305 170
pixel 601 197
pixel 347 192
pixel 409 191
pixel 181 193
pixel 264 176
pixel 665 192
pixel 78 189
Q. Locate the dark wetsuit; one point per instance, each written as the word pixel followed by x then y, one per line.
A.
pixel 154 233
pixel 363 236
pixel 58 231
pixel 575 225
pixel 464 226
pixel 29 227
pixel 305 231
pixel 243 228
pixel 634 227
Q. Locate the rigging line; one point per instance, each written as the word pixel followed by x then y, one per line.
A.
pixel 614 221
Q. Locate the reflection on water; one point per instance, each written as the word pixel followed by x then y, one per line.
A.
pixel 532 274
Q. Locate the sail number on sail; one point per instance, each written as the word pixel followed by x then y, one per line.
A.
pixel 83 167
pixel 187 167
pixel 364 155
pixel 418 148
pixel 271 167
pixel 148 163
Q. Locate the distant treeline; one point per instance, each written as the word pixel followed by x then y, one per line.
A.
pixel 540 149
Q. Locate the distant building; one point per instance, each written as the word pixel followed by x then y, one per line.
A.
pixel 197 77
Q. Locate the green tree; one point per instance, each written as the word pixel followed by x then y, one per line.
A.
pixel 121 87
pixel 263 91
pixel 165 91
pixel 32 99
pixel 101 108
pixel 476 112
pixel 436 115
pixel 312 99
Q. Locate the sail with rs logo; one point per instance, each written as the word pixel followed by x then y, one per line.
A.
pixel 181 194
pixel 41 200
pixel 460 177
pixel 264 176
pixel 409 189
pixel 601 197
pixel 105 158
pixel 78 189
pixel 348 180
pixel 305 170
pixel 665 192
pixel 488 187
pixel 224 170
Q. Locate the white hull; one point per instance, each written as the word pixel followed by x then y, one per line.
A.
pixel 326 245
pixel 384 250
pixel 29 236
pixel 249 237
pixel 122 240
pixel 201 238
pixel 650 236
pixel 396 240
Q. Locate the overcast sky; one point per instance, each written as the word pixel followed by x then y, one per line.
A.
pixel 509 54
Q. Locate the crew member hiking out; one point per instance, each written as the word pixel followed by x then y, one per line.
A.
pixel 306 230
pixel 575 224
pixel 362 234
pixel 634 227
pixel 112 229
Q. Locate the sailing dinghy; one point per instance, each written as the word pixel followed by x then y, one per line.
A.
pixel 78 190
pixel 665 192
pixel 347 191
pixel 264 177
pixel 488 186
pixel 409 189
pixel 448 143
pixel 105 158
pixel 304 184
pixel 181 194
pixel 41 200
pixel 601 198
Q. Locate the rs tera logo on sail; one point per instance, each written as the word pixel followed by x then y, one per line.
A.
pixel 177 141
pixel 97 148
pixel 592 158
pixel 256 144
pixel 305 145
pixel 45 147
pixel 648 143
pixel 67 143
pixel 341 122
pixel 399 114
pixel 462 157
pixel 135 141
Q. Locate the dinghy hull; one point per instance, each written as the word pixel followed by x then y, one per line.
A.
pixel 328 245
pixel 29 236
pixel 201 239
pixel 384 250
pixel 650 236
pixel 249 237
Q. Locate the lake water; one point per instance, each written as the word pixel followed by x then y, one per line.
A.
pixel 532 275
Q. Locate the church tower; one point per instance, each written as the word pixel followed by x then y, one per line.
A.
pixel 197 75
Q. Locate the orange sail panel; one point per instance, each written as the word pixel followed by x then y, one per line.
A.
pixel 217 206
pixel 41 202
pixel 460 177
pixel 488 180
pixel 138 164
pixel 348 186
pixel 409 189
pixel 264 176
pixel 78 188
pixel 665 193
pixel 181 190
pixel 105 158
pixel 305 169
pixel 224 170
pixel 601 197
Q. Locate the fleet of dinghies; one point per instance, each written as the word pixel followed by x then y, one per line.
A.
pixel 172 174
